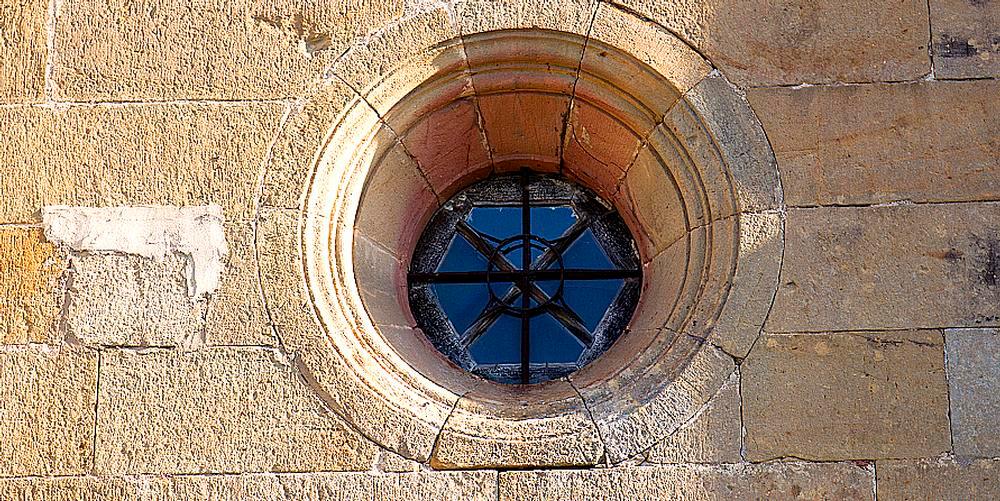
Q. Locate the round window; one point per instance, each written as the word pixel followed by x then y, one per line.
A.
pixel 523 278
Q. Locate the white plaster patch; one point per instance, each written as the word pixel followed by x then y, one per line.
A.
pixel 149 231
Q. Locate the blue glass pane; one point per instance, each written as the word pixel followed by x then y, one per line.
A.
pixel 500 290
pixel 551 342
pixel 586 253
pixel 551 222
pixel 590 299
pixel 461 256
pixel 550 287
pixel 501 344
pixel 462 303
pixel 498 222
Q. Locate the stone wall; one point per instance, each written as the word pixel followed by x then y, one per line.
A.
pixel 123 376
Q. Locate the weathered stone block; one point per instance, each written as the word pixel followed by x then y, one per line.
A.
pixel 47 399
pixel 214 411
pixel 713 435
pixel 236 314
pixel 417 486
pixel 869 144
pixel 973 357
pixel 29 290
pixel 846 396
pixel 524 129
pixel 722 482
pixel 573 16
pixel 845 269
pixel 938 479
pixel 187 154
pixel 129 300
pixel 236 49
pixel 777 42
pixel 966 38
pixel 22 51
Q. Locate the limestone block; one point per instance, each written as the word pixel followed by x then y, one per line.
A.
pixel 661 215
pixel 214 411
pixel 966 38
pixel 236 49
pixel 399 60
pixel 22 51
pixel 176 154
pixel 938 479
pixel 973 358
pixel 236 314
pixel 30 295
pixel 721 482
pixel 493 427
pixel 713 434
pixel 844 268
pixel 714 110
pixel 417 486
pixel 524 128
pixel 869 144
pixel 450 146
pixel 778 42
pixel 572 16
pixel 47 401
pixel 129 300
pixel 598 148
pixel 846 396
pixel 300 139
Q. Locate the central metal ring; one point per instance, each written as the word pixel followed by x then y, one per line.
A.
pixel 524 281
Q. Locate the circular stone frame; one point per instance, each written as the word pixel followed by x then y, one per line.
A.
pixel 348 188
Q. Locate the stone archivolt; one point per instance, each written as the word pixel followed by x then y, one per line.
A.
pixel 424 108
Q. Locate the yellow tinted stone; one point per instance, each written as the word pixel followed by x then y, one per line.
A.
pixel 29 290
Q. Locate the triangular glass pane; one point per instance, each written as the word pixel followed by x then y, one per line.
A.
pixel 500 344
pixel 462 303
pixel 551 342
pixel 497 222
pixel 586 253
pixel 461 256
pixel 551 222
pixel 590 299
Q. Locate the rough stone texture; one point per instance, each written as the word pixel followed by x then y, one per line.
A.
pixel 845 268
pixel 473 486
pixel 713 435
pixel 480 431
pixel 573 16
pixel 129 300
pixel 47 407
pixel 846 396
pixel 938 479
pixel 30 295
pixel 216 411
pixel 869 144
pixel 769 481
pixel 236 49
pixel 236 314
pixel 966 38
pixel 973 356
pixel 186 154
pixel 22 51
pixel 799 41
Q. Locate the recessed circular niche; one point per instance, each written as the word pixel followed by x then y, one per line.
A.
pixel 524 278
pixel 632 114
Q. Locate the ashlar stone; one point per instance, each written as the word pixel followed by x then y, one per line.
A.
pixel 858 395
pixel 973 358
pixel 22 51
pixel 870 144
pixel 844 268
pixel 233 49
pixel 719 482
pixel 47 398
pixel 713 435
pixel 30 295
pixel 128 300
pixel 156 154
pixel 966 38
pixel 214 411
pixel 938 479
